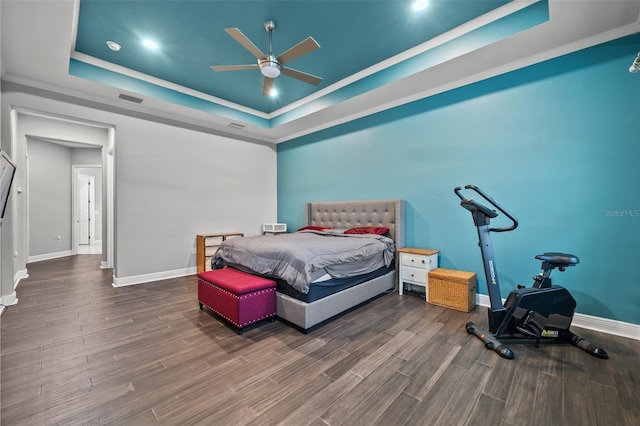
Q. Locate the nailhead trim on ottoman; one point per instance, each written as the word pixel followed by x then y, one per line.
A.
pixel 240 298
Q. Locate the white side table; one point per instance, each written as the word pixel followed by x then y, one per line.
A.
pixel 415 264
pixel 274 228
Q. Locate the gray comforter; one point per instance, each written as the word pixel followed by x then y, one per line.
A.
pixel 298 256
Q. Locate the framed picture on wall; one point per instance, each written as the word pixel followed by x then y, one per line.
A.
pixel 7 172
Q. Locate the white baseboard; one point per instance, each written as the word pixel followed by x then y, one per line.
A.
pixel 604 325
pixel 18 276
pixel 48 256
pixel 9 299
pixel 609 326
pixel 156 276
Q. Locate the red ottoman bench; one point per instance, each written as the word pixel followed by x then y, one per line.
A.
pixel 240 298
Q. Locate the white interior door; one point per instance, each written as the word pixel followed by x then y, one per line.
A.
pixel 85 214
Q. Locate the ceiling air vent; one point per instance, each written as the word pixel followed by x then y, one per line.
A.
pixel 130 98
pixel 236 125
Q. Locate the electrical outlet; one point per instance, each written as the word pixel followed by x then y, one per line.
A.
pixel 59 239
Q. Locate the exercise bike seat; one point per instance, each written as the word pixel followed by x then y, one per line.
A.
pixel 558 260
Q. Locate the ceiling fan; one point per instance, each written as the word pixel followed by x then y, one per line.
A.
pixel 271 66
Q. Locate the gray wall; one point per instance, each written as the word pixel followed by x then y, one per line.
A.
pixel 171 184
pixel 86 156
pixel 49 197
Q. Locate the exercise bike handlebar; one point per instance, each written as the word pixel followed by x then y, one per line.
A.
pixel 490 213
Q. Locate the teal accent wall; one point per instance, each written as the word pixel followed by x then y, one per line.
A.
pixel 557 144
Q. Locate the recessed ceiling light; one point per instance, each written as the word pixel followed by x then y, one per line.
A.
pixel 113 45
pixel 420 4
pixel 150 44
pixel 273 93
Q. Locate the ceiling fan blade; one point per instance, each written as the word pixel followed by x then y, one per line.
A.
pixel 302 76
pixel 267 84
pixel 233 67
pixel 245 42
pixel 302 48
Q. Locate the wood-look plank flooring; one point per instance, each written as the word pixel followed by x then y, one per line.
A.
pixel 77 351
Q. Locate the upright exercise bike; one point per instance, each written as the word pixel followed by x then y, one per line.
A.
pixel 541 312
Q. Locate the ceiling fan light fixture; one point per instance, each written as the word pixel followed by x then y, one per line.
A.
pixel 270 71
pixel 269 67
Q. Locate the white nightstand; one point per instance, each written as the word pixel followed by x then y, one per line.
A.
pixel 274 228
pixel 415 264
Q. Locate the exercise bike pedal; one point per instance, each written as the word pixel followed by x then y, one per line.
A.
pixel 532 325
pixel 531 332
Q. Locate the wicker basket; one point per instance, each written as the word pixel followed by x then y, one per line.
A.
pixel 452 289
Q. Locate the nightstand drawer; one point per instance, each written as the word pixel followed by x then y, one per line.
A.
pixel 213 241
pixel 210 250
pixel 415 275
pixel 418 261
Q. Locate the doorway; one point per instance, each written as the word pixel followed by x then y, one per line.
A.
pixel 87 219
pixel 72 133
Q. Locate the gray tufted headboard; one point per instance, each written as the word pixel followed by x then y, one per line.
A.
pixel 350 214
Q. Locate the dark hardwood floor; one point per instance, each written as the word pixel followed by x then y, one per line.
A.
pixel 76 350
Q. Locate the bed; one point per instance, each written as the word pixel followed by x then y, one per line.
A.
pixel 323 302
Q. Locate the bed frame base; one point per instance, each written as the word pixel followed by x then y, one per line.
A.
pixel 305 317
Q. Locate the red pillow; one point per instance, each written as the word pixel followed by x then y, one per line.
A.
pixel 314 228
pixel 380 230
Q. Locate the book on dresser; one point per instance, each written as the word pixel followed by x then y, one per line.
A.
pixel 206 246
